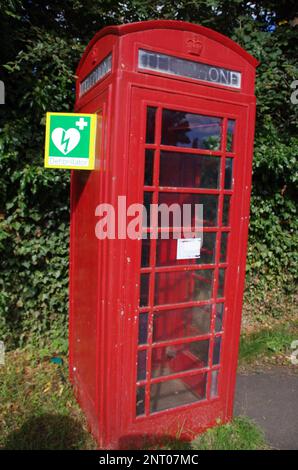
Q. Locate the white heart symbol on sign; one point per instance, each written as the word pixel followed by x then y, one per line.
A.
pixel 65 141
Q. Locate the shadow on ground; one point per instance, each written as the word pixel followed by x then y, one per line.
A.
pixel 58 432
pixel 47 431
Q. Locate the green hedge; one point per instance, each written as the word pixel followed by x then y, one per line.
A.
pixel 41 48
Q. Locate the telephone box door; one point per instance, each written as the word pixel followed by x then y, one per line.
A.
pixel 183 328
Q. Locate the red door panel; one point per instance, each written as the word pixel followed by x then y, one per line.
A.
pixel 185 150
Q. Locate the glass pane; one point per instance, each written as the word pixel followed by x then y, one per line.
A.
pixel 179 358
pixel 223 247
pixel 216 350
pixel 214 384
pixel 142 361
pixel 219 317
pixel 100 71
pixel 172 65
pixel 149 161
pixel 230 135
pixel 208 249
pixel 166 254
pixel 184 129
pixel 228 173
pixel 150 129
pixel 145 258
pixel 183 286
pixel 143 328
pixel 147 203
pixel 144 290
pixel 226 211
pixel 178 392
pixel 181 323
pixel 210 206
pixel 221 282
pixel 189 170
pixel 209 202
pixel 140 401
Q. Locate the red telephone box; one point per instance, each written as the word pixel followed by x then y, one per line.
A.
pixel 154 338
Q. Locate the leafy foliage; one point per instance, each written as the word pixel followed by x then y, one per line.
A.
pixel 41 46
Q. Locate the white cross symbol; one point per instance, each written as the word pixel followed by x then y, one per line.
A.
pixel 81 124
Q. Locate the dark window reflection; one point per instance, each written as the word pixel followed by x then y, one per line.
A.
pixel 146 214
pixel 150 128
pixel 223 247
pixel 221 282
pixel 149 161
pixel 208 249
pixel 191 130
pixel 145 253
pixel 210 207
pixel 230 135
pixel 189 170
pixel 216 350
pixel 226 211
pixel 228 173
pixel 214 384
pixel 144 290
pixel 143 328
pixel 140 401
pixel 219 317
pixel 142 361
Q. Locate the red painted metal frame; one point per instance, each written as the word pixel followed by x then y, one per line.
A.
pixel 105 275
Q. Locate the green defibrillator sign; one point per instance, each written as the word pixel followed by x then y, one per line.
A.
pixel 70 141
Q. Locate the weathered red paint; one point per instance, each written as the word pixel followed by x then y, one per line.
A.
pixel 105 275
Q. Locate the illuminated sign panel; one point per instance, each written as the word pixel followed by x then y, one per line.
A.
pixel 97 74
pixel 171 65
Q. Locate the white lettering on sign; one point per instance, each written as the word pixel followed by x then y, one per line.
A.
pixel 60 161
pixel 188 248
pixel 171 65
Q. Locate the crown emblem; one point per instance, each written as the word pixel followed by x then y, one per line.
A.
pixel 94 55
pixel 194 46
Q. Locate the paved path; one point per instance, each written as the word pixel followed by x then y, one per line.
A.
pixel 270 398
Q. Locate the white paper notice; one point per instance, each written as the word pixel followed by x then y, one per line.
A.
pixel 188 248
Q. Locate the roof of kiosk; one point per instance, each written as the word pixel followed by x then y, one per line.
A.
pixel 128 28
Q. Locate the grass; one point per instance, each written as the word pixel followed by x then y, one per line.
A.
pixel 269 344
pixel 38 411
pixel 37 408
pixel 240 434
